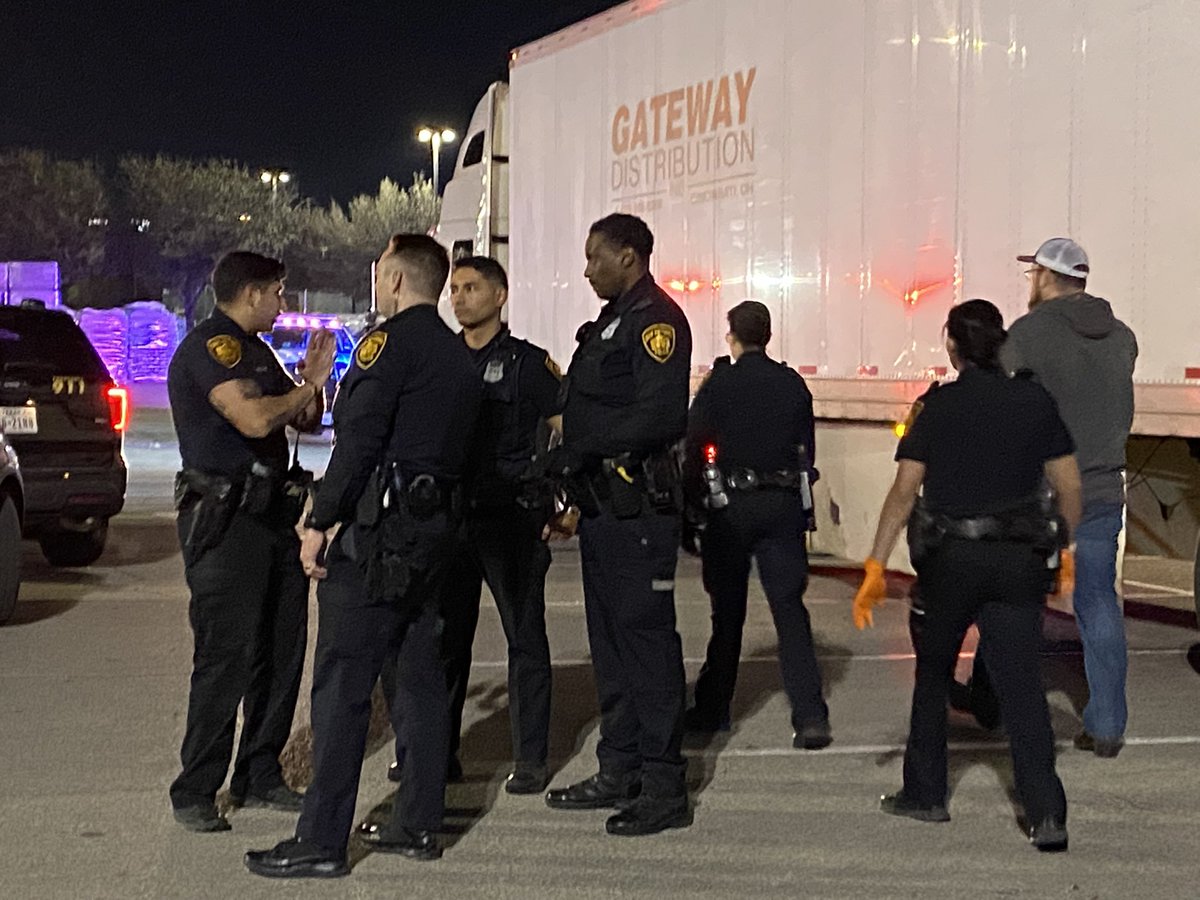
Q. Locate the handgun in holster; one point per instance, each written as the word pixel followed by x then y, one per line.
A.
pixel 209 502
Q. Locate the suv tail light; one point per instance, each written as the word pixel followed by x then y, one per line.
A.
pixel 118 407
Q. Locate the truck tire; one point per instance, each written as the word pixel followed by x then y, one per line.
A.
pixel 72 549
pixel 1196 582
pixel 10 558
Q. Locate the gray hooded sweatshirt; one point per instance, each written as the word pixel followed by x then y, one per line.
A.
pixel 1084 356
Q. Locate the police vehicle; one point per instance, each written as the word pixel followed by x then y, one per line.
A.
pixel 289 339
pixel 65 416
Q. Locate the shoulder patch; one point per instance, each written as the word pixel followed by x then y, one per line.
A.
pixel 553 367
pixel 659 341
pixel 369 350
pixel 225 349
pixel 914 411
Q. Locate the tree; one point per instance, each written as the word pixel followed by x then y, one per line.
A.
pixel 46 210
pixel 335 248
pixel 196 211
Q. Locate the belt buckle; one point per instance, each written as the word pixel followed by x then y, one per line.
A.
pixel 975 529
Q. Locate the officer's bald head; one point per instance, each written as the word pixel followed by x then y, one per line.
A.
pixel 419 261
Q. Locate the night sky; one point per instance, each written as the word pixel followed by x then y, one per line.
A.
pixel 331 89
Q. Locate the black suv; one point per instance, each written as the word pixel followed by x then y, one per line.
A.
pixel 12 504
pixel 66 418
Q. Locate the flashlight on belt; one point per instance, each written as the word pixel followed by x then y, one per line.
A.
pixel 713 480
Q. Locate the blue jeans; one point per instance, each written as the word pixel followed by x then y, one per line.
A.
pixel 1101 624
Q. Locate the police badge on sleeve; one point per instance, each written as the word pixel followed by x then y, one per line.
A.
pixel 225 349
pixel 369 350
pixel 659 341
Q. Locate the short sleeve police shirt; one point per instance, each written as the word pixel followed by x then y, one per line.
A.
pixel 984 440
pixel 214 352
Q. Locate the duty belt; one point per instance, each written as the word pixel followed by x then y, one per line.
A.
pixel 749 480
pixel 1029 526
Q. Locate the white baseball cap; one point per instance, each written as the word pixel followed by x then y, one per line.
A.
pixel 1061 255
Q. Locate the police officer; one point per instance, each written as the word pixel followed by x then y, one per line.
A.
pixel 983 542
pixel 626 406
pixel 507 508
pixel 231 401
pixel 751 431
pixel 403 420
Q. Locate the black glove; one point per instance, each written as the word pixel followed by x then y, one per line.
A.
pixel 691 538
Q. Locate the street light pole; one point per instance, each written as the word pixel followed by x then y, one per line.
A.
pixel 435 137
pixel 274 177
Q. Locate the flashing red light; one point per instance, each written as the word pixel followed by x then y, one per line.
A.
pixel 913 294
pixel 710 454
pixel 118 407
pixel 692 285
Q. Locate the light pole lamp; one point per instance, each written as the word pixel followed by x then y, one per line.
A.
pixel 435 137
pixel 275 177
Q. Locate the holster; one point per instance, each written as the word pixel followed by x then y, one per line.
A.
pixel 211 502
pixel 274 498
pixel 629 487
pixel 925 533
pixel 298 486
pixel 397 545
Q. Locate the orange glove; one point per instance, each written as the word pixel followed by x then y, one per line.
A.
pixel 1066 575
pixel 871 593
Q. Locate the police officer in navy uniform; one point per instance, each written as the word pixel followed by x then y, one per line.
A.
pixel 403 420
pixel 506 510
pixel 984 540
pixel 231 400
pixel 752 422
pixel 507 507
pixel 626 408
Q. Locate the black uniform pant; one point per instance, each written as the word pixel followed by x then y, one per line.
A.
pixel 249 617
pixel 629 599
pixel 977 693
pixel 1001 587
pixel 354 637
pixel 766 525
pixel 503 547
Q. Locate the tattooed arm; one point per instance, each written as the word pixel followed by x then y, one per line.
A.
pixel 241 402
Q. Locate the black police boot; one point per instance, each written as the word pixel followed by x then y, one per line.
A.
pixel 601 791
pixel 813 736
pixel 281 798
pixel 527 778
pixel 411 842
pixel 1049 836
pixel 650 815
pixel 203 819
pixel 898 804
pixel 296 858
pixel 702 721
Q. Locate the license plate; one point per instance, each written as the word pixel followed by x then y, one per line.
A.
pixel 18 419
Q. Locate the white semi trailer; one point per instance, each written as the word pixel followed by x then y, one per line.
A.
pixel 860 166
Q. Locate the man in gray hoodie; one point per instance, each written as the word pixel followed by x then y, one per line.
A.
pixel 1084 356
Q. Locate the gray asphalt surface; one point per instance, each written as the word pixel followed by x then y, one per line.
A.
pixel 93 684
